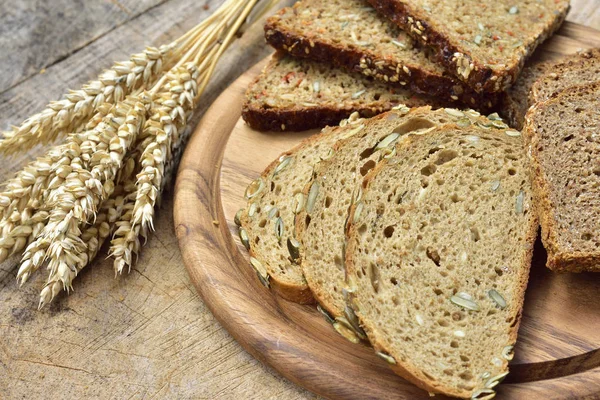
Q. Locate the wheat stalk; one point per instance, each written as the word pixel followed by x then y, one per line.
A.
pixel 124 134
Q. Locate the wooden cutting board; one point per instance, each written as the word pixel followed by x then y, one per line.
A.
pixel 558 350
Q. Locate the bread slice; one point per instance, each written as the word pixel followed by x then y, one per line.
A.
pixel 565 150
pixel 267 223
pixel 578 69
pixel 350 34
pixel 438 257
pixel 320 227
pixel 293 94
pixel 484 43
pixel 516 101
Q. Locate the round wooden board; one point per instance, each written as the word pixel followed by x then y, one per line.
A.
pixel 558 350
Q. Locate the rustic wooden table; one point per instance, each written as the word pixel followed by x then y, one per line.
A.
pixel 146 334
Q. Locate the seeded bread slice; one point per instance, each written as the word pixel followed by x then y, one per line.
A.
pixel 565 149
pixel 267 223
pixel 578 69
pixel 321 226
pixel 438 257
pixel 295 94
pixel 484 43
pixel 350 34
pixel 516 101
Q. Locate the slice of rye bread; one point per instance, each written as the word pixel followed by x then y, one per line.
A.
pixel 565 151
pixel 267 223
pixel 515 101
pixel 320 227
pixel 298 94
pixel 350 34
pixel 574 70
pixel 482 42
pixel 438 257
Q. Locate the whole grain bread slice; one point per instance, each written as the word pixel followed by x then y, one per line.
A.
pixel 320 228
pixel 516 100
pixel 484 43
pixel 274 198
pixel 350 34
pixel 298 94
pixel 574 70
pixel 565 150
pixel 438 256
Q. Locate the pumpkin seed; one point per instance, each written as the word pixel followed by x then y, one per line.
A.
pixel 472 138
pixel 294 248
pixel 273 212
pixel 353 320
pixel 488 394
pixel 494 381
pixel 252 210
pixel 327 316
pixel 285 162
pixel 387 141
pixel 513 10
pixel 495 185
pixel 454 112
pixel 497 297
pixel 507 352
pixel 472 113
pixel 346 332
pixel 254 188
pixel 519 202
pixel 298 203
pixel 512 132
pixel 352 132
pixel 463 122
pixel 244 238
pixel 388 153
pixel 312 197
pixel 261 272
pixel 279 228
pixel 317 86
pixel 464 295
pixel 494 117
pixel 389 359
pixel 237 217
pixel 464 303
pixel 499 124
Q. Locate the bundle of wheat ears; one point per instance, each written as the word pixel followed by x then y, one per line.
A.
pixel 120 137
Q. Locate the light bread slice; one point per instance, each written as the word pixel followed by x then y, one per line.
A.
pixel 564 135
pixel 267 223
pixel 438 256
pixel 294 94
pixel 516 100
pixel 574 70
pixel 350 34
pixel 320 227
pixel 484 43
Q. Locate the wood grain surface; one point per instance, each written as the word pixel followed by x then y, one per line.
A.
pixel 558 349
pixel 148 334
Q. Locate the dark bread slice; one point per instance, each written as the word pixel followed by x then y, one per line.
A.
pixel 574 70
pixel 350 34
pixel 565 148
pixel 298 94
pixel 267 223
pixel 515 101
pixel 484 43
pixel 321 226
pixel 438 257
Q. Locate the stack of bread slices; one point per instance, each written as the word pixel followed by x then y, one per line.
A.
pixel 411 223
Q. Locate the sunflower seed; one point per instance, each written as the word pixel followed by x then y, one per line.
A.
pixel 495 185
pixel 254 188
pixel 513 10
pixel 480 26
pixel 472 138
pixel 499 124
pixel 512 132
pixel 357 196
pixel 327 316
pixel 316 86
pixel 285 162
pixel 459 334
pixel 485 375
pixel 294 248
pixel 356 95
pixel 298 202
pixel 494 117
pixel 507 352
pixel 497 362
pixel 252 210
pixel 237 217
pixel 519 202
pixel 463 122
pixel 329 154
pixel 472 113
pixel 497 297
pixel 488 394
pixel 312 197
pixel 454 112
pixel 389 359
pixel 494 381
pixel 273 212
pixel 477 39
pixel 399 44
pixel 346 332
pixel 244 238
pixel 387 141
pixel 464 303
pixel 419 319
pixel 279 228
pixel 388 153
pixel 464 295
pixel 352 132
pixel 353 320
pixel 261 272
pixel 357 211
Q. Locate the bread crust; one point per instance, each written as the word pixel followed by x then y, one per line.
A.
pixel 419 81
pixel 405 369
pixel 481 78
pixel 558 259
